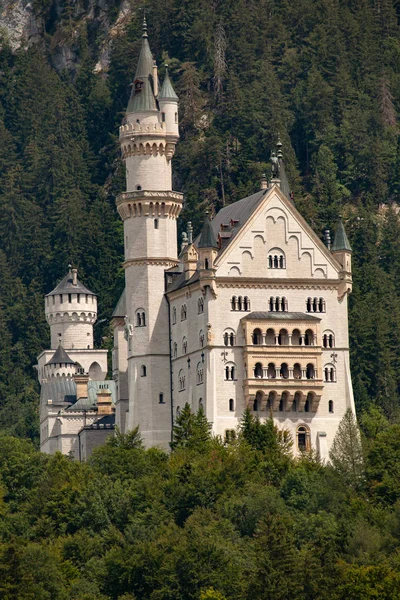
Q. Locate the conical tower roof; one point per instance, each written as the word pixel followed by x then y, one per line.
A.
pixel 341 241
pixel 67 286
pixel 167 92
pixel 207 236
pixel 142 96
pixel 60 357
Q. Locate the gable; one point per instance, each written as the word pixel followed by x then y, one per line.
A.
pixel 276 242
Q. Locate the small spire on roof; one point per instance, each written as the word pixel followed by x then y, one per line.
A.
pixel 207 236
pixel 264 182
pixel 341 241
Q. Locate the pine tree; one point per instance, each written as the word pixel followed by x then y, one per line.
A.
pixel 346 455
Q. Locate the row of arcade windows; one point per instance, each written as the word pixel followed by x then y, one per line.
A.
pixel 240 303
pixel 316 305
pixel 278 304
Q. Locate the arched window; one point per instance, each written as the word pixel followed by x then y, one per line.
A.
pixel 199 373
pixel 181 380
pixel 231 404
pixel 310 371
pixel 328 340
pixel 284 371
pixel 330 405
pixel 271 371
pixel 229 337
pixel 296 337
pixel 258 370
pixel 184 346
pixel 283 338
pixel 329 374
pixel 201 338
pixel 174 315
pixel 175 350
pixel 270 337
pixel 183 312
pixel 155 223
pixel 239 303
pixel 257 337
pixel 233 303
pixel 230 372
pixel 143 319
pixel 278 304
pixel 161 398
pixel 284 305
pixel 303 438
pixel 315 305
pixel 276 259
pixel 246 303
pixel 280 405
pixel 140 318
pixel 297 371
pixel 143 371
pixel 271 304
pixel 200 306
pixel 309 338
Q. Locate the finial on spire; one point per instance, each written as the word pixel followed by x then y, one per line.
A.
pixel 190 232
pixel 279 147
pixel 144 27
pixel 69 267
pixel 264 182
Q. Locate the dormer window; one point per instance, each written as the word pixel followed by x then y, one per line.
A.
pixel 138 86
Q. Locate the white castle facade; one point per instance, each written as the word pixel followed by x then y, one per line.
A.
pixel 252 313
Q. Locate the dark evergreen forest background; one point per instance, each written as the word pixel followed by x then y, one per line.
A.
pixel 213 520
pixel 325 74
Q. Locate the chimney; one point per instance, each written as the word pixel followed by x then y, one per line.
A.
pixel 81 382
pixel 104 401
pixel 74 276
pixel 264 182
pixel 155 78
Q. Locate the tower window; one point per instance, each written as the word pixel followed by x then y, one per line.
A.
pixel 315 305
pixel 163 117
pixel 161 398
pixel 183 312
pixel 331 406
pixel 200 306
pixel 303 439
pixel 155 223
pixel 143 371
pixel 176 117
pixel 138 187
pixel 231 404
pixel 174 316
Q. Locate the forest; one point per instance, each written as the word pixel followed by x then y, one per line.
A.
pixel 213 520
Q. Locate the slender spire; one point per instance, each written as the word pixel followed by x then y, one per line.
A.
pixel 167 91
pixel 142 95
pixel 341 241
pixel 207 236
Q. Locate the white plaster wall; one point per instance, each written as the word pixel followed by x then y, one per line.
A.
pixel 275 226
pixel 143 240
pixel 170 108
pixel 148 171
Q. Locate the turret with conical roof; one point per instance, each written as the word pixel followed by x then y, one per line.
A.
pixel 208 250
pixel 142 98
pixel 168 101
pixel 71 311
pixel 60 365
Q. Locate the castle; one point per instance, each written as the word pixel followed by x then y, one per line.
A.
pixel 251 313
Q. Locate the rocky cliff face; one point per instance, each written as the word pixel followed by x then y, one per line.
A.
pixel 59 24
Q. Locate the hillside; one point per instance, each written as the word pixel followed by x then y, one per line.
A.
pixel 324 74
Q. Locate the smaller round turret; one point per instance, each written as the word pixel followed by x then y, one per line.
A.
pixel 60 365
pixel 71 311
pixel 168 102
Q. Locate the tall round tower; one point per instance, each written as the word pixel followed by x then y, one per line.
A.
pixel 149 209
pixel 71 311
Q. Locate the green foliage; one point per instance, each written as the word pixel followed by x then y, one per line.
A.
pixel 191 431
pixel 346 454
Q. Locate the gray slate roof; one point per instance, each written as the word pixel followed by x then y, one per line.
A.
pixel 341 241
pixel 120 309
pixel 280 316
pixel 207 236
pixel 60 357
pixel 167 92
pixel 144 100
pixel 90 402
pixel 66 286
pixel 58 389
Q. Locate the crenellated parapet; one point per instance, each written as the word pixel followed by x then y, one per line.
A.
pixel 145 203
